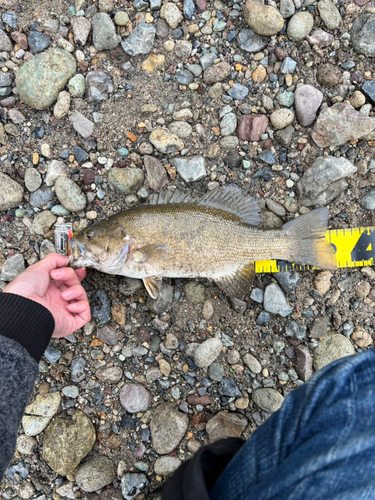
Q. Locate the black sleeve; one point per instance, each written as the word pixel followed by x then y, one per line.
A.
pixel 197 476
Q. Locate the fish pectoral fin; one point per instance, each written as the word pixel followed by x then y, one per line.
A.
pixel 151 253
pixel 239 282
pixel 153 285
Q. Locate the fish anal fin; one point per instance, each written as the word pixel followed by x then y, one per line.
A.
pixel 238 283
pixel 153 285
pixel 151 253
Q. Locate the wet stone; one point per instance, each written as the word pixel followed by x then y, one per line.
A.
pixel 135 398
pixel 78 370
pixel 164 300
pixel 224 425
pixel 132 484
pixel 228 387
pixel 249 41
pixel 38 42
pixel 100 306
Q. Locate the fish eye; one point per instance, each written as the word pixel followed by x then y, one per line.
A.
pixel 89 235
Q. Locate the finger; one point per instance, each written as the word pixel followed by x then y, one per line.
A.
pixel 78 307
pixel 66 275
pixel 75 292
pixel 50 262
pixel 81 273
pixel 81 319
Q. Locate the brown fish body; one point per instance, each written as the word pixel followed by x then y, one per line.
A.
pixel 213 237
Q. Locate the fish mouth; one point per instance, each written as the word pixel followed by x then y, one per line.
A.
pixel 77 253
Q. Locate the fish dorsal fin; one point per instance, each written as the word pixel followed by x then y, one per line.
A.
pixel 153 285
pixel 228 198
pixel 239 282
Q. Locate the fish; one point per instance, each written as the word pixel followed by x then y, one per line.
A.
pixel 215 236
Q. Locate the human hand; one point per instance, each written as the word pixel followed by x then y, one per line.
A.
pixel 64 297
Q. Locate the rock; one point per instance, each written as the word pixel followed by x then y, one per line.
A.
pixel 184 77
pixel 287 8
pixel 132 484
pixel 216 372
pixel 62 105
pixel 121 18
pixel 111 374
pixel 224 425
pixel 238 92
pixel 55 169
pixel 33 179
pixel 304 362
pixel 156 173
pixel 140 41
pixel 324 180
pixel 260 74
pixel 109 335
pixel 286 99
pixel 164 300
pixel 207 352
pixel 263 19
pixel 69 194
pixel 368 200
pixel 321 38
pixel 322 282
pixel 78 370
pixel 216 73
pixel 41 196
pixel 172 14
pixel 95 474
pixel 329 14
pixel 11 193
pixel 252 363
pixel 251 127
pixel 81 30
pixel 190 168
pixel 153 62
pixel 288 66
pixel 5 43
pixel 43 222
pixel 67 441
pixel 183 130
pixel 104 35
pixel 40 79
pixel 6 80
pixel 339 124
pixel 268 400
pixel 333 346
pixel 164 141
pixel 135 398
pixel 228 387
pixel 300 25
pixel 281 118
pixel 77 85
pixel 167 427
pixel 81 124
pixel 98 86
pixel 13 266
pixel 164 466
pixel 361 337
pixel 368 89
pixel 195 292
pixel 275 301
pixel 361 35
pixel 249 41
pixel 320 327
pixel 228 124
pixel 26 444
pixel 70 391
pixel 38 42
pixel 39 413
pixel 328 75
pixel 126 180
pixel 307 102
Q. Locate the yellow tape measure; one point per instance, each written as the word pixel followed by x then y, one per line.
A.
pixel 353 247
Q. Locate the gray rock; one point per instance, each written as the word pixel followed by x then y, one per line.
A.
pixel 6 80
pixel 41 196
pixel 196 69
pixel 95 474
pixel 189 9
pixel 10 18
pixel 5 43
pixel 164 300
pixel 38 42
pixel 207 352
pixel 288 66
pixel 191 168
pixel 249 41
pixel 252 363
pixel 307 102
pixel 287 280
pixel 40 79
pixel 228 124
pixel 324 180
pixel 140 41
pixel 268 400
pixel 333 346
pixel 52 354
pixel 195 292
pixel 368 200
pixel 263 318
pixel 11 193
pixel 275 301
pixel 100 306
pixel 77 85
pixel 70 391
pixel 228 387
pixel 156 174
pixel 33 179
pixel 164 466
pixel 207 60
pixel 329 14
pixel 126 180
pixel 362 35
pixel 303 363
pixel 184 77
pixel 78 370
pixel 216 73
pixel 111 374
pixel 287 8
pixel 81 29
pixel 81 124
pixel 69 194
pixel 132 484
pixel 55 169
pixel 167 427
pixel 224 425
pixel 109 335
pixel 295 330
pixel 135 398
pixel 98 86
pixel 43 222
pixel 183 130
pixel 39 413
pixel 257 295
pixel 368 88
pixel 285 135
pixel 104 35
pixel 216 372
pixel 299 26
pixel 319 328
pixel 13 267
pixel 238 92
pixel 26 444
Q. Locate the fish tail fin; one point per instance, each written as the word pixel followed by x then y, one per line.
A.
pixel 308 243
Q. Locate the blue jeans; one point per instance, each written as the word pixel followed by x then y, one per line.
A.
pixel 320 445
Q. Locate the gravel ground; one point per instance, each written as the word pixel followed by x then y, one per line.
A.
pixel 104 103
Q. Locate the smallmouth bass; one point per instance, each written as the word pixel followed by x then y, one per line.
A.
pixel 178 236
